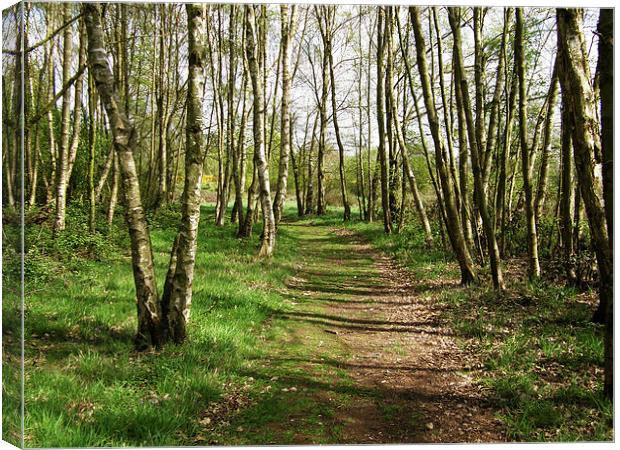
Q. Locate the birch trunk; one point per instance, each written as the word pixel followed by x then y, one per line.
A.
pixel 254 49
pixel 180 299
pixel 287 27
pixel 149 312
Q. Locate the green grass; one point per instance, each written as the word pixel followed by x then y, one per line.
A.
pixel 11 333
pixel 228 384
pixel 542 356
pixel 85 385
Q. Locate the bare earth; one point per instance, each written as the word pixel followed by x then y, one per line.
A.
pixel 419 383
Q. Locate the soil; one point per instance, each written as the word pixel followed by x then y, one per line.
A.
pixel 418 382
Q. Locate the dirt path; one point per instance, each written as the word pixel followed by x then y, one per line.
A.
pixel 367 343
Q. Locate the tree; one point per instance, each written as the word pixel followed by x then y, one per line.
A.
pixel 475 144
pixel 577 93
pixel 453 224
pixel 287 29
pixel 62 170
pixel 382 153
pixel 255 44
pixel 526 167
pixel 150 329
pixel 326 27
pixel 177 306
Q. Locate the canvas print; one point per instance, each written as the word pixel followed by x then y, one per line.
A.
pixel 231 224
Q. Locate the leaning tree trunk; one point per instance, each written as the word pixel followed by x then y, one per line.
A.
pixel 475 144
pixel 408 172
pixel 149 311
pixel 579 97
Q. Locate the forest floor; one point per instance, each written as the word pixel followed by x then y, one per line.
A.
pixel 369 348
pixel 346 335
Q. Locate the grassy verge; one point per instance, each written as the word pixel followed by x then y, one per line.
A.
pixel 542 358
pixel 11 334
pixel 85 386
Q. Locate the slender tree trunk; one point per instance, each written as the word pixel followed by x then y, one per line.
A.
pixel 500 204
pixel 63 154
pixel 452 216
pixel 178 305
pixel 321 207
pixel 546 143
pixel 254 47
pixel 298 189
pixel 92 136
pixel 287 27
pixel 444 104
pixel 382 153
pixel 149 311
pixel 526 167
pixel 408 172
pixel 567 196
pixel 579 98
pixel 462 90
pixel 327 41
pixel 310 177
pixel 113 192
pixel 371 179
pixel 239 158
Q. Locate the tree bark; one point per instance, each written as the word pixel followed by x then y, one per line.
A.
pixel 180 299
pixel 552 96
pixel 579 97
pixel 382 153
pixel 255 48
pixel 475 144
pixel 63 153
pixel 149 311
pixel 526 168
pixel 606 86
pixel 452 216
pixel 287 27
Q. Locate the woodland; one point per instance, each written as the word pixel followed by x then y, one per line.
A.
pixel 306 224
